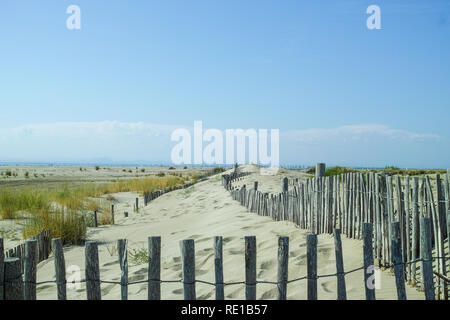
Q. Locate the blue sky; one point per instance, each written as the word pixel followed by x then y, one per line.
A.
pixel 339 92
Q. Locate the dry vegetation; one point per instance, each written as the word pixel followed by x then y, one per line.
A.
pixel 66 211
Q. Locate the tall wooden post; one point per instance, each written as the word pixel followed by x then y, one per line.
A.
pixel 2 270
pixel 123 262
pixel 250 268
pixel 218 268
pixel 320 170
pixel 283 257
pixel 30 270
pixel 188 267
pixel 311 265
pixel 60 268
pixel 397 259
pixel 368 260
pixel 341 290
pixel 112 214
pixel 427 263
pixel 285 184
pixel 154 268
pixel 13 279
pixel 93 290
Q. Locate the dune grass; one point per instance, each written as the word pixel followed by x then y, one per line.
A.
pixel 67 210
pixel 13 202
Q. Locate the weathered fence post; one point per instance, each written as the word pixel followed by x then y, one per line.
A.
pixel 369 266
pixel 397 260
pixel 112 214
pixel 285 184
pixel 436 225
pixel 250 268
pixel 442 233
pixel 30 270
pixel 415 229
pixel 341 290
pixel 2 270
pixel 320 170
pixel 60 268
pixel 188 265
pixel 154 268
pixel 218 268
pixel 95 219
pixel 123 261
pixel 311 261
pixel 427 262
pixel 283 258
pixel 93 290
pixel 13 279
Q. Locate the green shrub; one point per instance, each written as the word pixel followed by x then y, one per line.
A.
pixel 218 170
pixel 334 171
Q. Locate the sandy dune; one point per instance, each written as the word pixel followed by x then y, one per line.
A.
pixel 202 212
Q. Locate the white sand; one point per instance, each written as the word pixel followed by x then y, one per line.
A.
pixel 202 212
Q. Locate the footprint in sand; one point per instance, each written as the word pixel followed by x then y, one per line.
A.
pixel 325 286
pixel 206 296
pixel 233 294
pixel 111 263
pixel 204 252
pixel 300 260
pixel 325 252
pixel 205 260
pixel 46 286
pixel 177 291
pixel 266 265
pixel 294 253
pixel 269 294
pixel 106 289
pixel 228 239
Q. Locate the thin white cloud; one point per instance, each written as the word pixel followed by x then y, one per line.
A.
pixel 86 140
pixel 355 132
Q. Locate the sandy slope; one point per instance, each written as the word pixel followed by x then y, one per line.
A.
pixel 202 212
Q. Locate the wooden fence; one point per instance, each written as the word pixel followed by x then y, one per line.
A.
pixel 347 201
pixel 16 287
pixel 361 206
